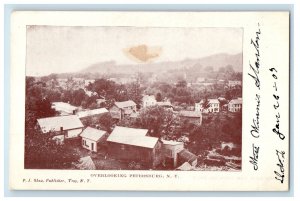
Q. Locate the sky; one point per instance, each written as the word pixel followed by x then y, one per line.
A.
pixel 54 49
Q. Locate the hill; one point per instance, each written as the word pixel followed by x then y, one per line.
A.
pixel 216 61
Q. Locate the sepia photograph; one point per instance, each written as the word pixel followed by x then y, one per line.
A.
pixel 133 98
pixel 126 101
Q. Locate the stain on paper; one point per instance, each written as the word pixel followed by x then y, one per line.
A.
pixel 143 53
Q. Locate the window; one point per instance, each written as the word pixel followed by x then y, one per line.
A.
pixel 83 142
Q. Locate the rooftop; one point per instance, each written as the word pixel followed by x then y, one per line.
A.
pixel 236 101
pixel 87 113
pixel 187 156
pixel 55 123
pixel 147 97
pixel 211 101
pixel 170 142
pixel 63 106
pixel 132 136
pixel 185 167
pixel 92 133
pixel 165 103
pixel 123 104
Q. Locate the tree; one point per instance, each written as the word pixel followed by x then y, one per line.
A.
pixel 222 102
pixel 205 104
pixel 228 95
pixel 41 152
pixel 104 88
pixel 159 121
pixel 134 93
pixel 43 108
pixel 163 87
pixel 158 97
pixel 77 97
pixel 106 122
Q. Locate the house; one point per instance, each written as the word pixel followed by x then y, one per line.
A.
pixel 92 138
pixel 132 144
pixel 213 106
pixel 170 150
pixel 235 105
pixel 191 116
pixel 148 101
pixel 67 126
pixel 233 83
pixel 122 109
pixel 186 156
pixel 64 108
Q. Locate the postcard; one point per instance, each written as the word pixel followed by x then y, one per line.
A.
pixel 152 101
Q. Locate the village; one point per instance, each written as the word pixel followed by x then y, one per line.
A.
pixel 126 134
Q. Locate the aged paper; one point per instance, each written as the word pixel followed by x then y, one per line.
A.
pixel 178 101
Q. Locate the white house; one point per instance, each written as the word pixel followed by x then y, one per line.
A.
pixel 148 101
pixel 91 138
pixel 235 105
pixel 67 126
pixel 213 106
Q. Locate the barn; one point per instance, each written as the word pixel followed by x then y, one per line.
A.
pixel 131 144
pixel 68 126
pixel 92 138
